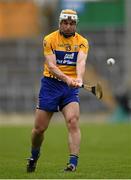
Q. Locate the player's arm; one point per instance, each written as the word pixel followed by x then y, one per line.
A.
pixel 80 67
pixel 81 61
pixel 51 63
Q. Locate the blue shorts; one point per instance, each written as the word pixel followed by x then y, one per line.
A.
pixel 55 94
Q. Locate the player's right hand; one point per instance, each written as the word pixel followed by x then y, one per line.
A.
pixel 72 82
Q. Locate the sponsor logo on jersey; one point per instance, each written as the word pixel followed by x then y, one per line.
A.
pixel 69 56
pixel 66 62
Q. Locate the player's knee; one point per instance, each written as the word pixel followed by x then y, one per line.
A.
pixel 40 130
pixel 73 123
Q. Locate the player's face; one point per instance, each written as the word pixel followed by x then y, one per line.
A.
pixel 68 27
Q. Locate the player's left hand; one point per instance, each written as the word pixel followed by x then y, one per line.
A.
pixel 78 82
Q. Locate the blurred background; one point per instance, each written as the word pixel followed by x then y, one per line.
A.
pixel 107 26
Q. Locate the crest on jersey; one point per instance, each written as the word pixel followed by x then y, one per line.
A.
pixel 67 47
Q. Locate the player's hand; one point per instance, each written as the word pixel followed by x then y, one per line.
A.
pixel 75 83
pixel 79 82
pixel 71 82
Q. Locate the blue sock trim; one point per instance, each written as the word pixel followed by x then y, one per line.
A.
pixel 73 159
pixel 35 153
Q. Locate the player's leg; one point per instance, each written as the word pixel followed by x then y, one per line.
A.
pixel 42 120
pixel 71 113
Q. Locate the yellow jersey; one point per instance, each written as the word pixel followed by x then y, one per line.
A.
pixel 65 50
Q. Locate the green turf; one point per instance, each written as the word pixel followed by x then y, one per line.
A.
pixel 105 152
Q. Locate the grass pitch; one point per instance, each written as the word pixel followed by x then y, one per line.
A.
pixel 105 152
